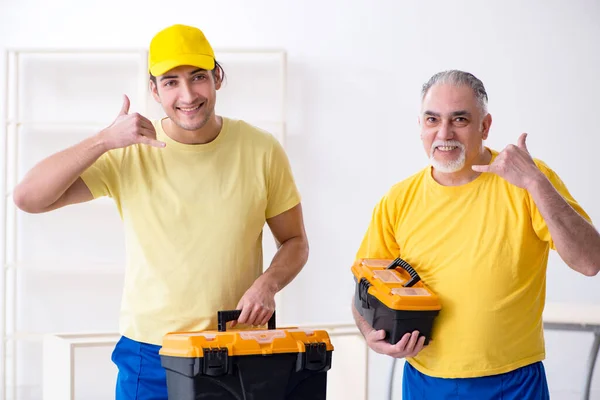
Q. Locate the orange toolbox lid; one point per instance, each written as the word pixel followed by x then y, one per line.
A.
pixel 397 288
pixel 243 342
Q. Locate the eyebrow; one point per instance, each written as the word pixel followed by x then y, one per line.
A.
pixel 162 78
pixel 458 113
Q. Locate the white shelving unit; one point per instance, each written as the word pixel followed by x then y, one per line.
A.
pixel 72 259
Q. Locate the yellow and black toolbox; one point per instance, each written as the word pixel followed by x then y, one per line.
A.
pixel 270 364
pixel 394 299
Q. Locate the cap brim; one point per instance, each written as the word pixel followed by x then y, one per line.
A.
pixel 195 60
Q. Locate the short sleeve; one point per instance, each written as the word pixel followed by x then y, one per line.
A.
pixel 539 224
pixel 380 240
pixel 282 192
pixel 102 177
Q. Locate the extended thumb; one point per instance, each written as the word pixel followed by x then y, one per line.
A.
pixel 126 103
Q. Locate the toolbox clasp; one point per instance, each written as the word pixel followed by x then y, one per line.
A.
pixel 216 362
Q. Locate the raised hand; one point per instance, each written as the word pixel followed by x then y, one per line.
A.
pixel 514 164
pixel 128 129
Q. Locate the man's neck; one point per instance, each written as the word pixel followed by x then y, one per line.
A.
pixel 206 134
pixel 466 174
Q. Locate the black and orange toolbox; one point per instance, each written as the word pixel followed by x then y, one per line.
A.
pixel 278 364
pixel 394 299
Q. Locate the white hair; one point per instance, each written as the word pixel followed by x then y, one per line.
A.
pixel 459 78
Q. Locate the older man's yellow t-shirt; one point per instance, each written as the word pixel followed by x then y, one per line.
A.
pixel 483 248
pixel 193 219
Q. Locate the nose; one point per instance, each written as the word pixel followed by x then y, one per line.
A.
pixel 445 131
pixel 187 95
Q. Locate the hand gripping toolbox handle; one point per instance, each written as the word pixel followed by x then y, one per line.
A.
pixel 414 277
pixel 232 315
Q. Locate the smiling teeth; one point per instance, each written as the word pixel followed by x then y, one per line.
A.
pixel 446 148
pixel 189 109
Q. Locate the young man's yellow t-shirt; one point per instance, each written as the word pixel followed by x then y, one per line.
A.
pixel 193 217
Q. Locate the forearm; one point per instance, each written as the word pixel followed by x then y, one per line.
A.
pixel 287 263
pixel 576 240
pixel 361 323
pixel 48 180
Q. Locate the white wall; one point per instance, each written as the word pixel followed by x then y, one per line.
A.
pixel 355 70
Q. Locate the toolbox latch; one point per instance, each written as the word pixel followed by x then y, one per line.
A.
pixel 363 289
pixel 315 357
pixel 216 362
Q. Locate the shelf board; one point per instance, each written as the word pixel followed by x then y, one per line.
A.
pixel 72 337
pixel 77 51
pixel 58 124
pixel 141 50
pixel 67 268
pixel 26 336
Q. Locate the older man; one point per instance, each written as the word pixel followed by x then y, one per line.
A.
pixel 477 225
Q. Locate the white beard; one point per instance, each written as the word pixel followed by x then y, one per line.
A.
pixel 448 166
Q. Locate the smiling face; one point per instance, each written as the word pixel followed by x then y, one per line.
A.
pixel 187 95
pixel 453 127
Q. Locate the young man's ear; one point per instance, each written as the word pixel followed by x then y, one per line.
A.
pixel 217 75
pixel 154 90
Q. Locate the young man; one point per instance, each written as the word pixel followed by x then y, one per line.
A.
pixel 194 191
pixel 477 225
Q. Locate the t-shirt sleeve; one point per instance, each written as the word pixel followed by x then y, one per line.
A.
pixel 539 224
pixel 282 192
pixel 380 240
pixel 102 177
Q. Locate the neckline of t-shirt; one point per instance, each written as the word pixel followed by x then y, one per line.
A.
pixel 173 144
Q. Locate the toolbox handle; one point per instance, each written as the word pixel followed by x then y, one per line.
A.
pixel 232 315
pixel 414 276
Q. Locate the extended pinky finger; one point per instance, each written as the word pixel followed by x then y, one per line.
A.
pixel 151 142
pixel 148 132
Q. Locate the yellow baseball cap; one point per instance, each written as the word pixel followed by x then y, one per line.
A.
pixel 179 45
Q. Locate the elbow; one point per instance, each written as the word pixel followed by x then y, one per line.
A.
pixel 306 247
pixel 305 250
pixel 588 269
pixel 20 198
pixel 23 200
pixel 586 264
